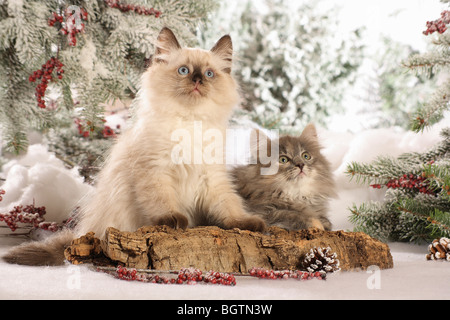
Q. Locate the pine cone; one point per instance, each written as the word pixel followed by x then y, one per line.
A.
pixel 439 249
pixel 322 260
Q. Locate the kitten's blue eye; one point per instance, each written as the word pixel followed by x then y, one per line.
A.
pixel 183 70
pixel 209 73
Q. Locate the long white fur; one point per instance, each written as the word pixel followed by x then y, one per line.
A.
pixel 145 152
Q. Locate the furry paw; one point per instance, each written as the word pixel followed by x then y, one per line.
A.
pixel 315 223
pixel 322 224
pixel 173 220
pixel 247 223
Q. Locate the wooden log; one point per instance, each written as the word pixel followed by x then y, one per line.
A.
pixel 212 248
pixel 84 249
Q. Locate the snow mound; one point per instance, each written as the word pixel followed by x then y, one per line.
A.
pixel 40 177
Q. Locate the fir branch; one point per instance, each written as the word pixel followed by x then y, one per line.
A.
pixel 439 223
pixel 443 41
pixel 400 219
pixel 417 202
pixel 429 62
pixel 432 112
pixel 364 173
pixel 440 151
pixel 375 219
pixel 16 141
pixel 432 201
pixel 438 177
pixel 106 60
pixel 381 171
pixel 130 7
pixel 436 221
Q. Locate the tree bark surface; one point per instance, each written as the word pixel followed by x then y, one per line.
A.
pixel 212 248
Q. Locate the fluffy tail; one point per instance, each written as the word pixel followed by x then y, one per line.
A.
pixel 49 252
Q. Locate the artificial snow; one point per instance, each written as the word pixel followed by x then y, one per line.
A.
pixel 411 278
pixel 41 177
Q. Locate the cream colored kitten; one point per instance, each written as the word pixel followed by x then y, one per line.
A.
pixel 141 184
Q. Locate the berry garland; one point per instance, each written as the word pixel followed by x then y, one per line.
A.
pixel 72 25
pixel 413 182
pixel 45 74
pixel 116 4
pixel 286 274
pixel 318 262
pixel 68 24
pixel 86 130
pixel 29 214
pixel 193 276
pixel 184 276
pixel 108 132
pixel 54 19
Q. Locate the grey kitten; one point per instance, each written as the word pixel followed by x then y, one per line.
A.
pixel 297 196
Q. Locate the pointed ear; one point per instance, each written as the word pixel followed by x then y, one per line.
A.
pixel 165 44
pixel 310 132
pixel 224 49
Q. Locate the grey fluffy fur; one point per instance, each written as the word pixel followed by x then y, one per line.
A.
pixel 297 196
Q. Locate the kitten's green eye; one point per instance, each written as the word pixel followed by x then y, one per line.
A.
pixel 183 70
pixel 284 159
pixel 306 156
pixel 209 73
